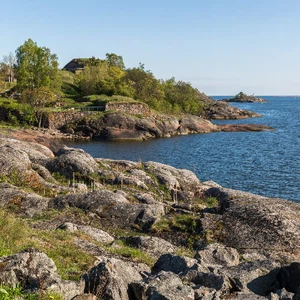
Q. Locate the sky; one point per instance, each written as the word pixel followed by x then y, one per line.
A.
pixel 222 47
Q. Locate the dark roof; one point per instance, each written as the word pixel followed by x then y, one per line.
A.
pixel 75 64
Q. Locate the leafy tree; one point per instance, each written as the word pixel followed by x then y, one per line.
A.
pixel 182 96
pixel 38 99
pixel 8 66
pixel 115 60
pixel 37 67
pixel 147 87
pixel 38 77
pixel 93 62
pixel 104 79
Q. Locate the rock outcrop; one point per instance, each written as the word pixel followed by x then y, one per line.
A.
pixel 220 110
pixel 33 270
pixel 145 228
pixel 110 278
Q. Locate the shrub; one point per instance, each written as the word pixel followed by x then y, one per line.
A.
pixel 17 114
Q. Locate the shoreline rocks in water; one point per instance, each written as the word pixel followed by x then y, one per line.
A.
pixel 146 230
pixel 244 98
pixel 116 126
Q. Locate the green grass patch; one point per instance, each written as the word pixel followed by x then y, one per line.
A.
pixel 120 248
pixel 71 262
pixel 184 251
pixel 14 234
pixel 70 90
pixel 209 202
pixel 29 181
pixel 10 293
pixel 178 222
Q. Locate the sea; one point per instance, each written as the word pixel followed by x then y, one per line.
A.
pixel 265 163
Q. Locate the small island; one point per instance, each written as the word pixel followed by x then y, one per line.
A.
pixel 242 97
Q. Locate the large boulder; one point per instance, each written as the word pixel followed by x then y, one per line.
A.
pixel 164 285
pixel 34 151
pixel 34 270
pixel 14 162
pixel 70 160
pixel 182 184
pixel 194 124
pixel 112 208
pixel 110 278
pixel 253 277
pixel 289 277
pixel 24 202
pixel 218 254
pixel 174 263
pixel 95 233
pixel 250 222
pixel 154 246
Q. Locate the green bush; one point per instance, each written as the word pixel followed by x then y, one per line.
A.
pixel 17 114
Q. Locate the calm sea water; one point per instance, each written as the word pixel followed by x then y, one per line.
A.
pixel 265 163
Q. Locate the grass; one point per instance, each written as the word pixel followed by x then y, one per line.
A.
pixel 16 235
pixel 103 99
pixel 184 251
pixel 209 202
pixel 178 222
pixel 10 293
pixel 28 180
pixel 120 248
pixel 71 262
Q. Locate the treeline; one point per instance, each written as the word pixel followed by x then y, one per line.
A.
pixel 38 82
pixel 110 77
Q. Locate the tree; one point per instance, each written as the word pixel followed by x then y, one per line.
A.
pixel 8 66
pixel 104 79
pixel 147 87
pixel 37 67
pixel 182 96
pixel 115 60
pixel 38 77
pixel 38 99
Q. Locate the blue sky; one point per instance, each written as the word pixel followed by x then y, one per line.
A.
pixel 221 46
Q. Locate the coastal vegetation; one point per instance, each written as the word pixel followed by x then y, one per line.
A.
pixel 33 77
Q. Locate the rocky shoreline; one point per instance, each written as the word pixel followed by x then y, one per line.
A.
pixel 195 240
pixel 117 126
